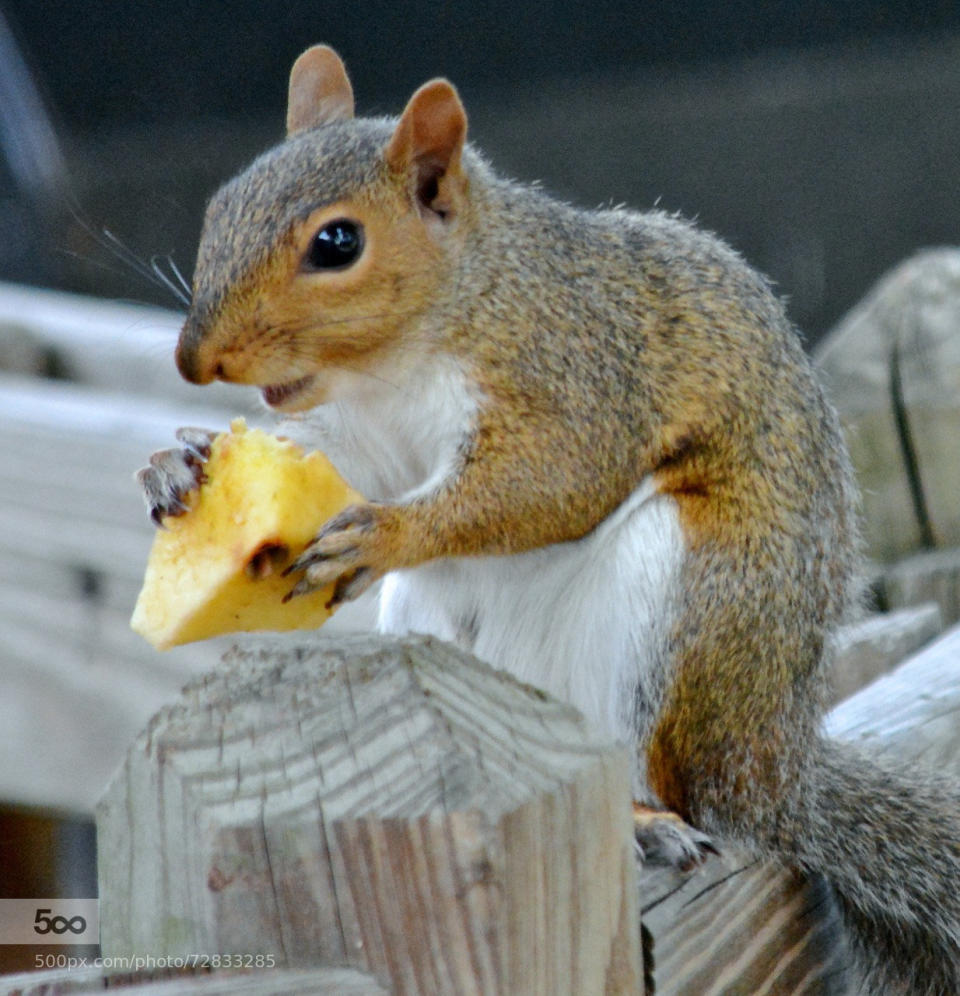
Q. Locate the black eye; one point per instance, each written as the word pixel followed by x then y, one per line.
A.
pixel 336 245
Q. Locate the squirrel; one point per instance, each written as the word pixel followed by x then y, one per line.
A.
pixel 598 457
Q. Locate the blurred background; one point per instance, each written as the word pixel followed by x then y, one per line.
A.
pixel 819 138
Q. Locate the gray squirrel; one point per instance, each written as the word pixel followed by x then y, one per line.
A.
pixel 597 457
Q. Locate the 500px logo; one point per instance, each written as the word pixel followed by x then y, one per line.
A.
pixel 49 921
pixel 58 924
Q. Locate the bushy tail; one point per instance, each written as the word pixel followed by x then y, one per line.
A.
pixel 889 841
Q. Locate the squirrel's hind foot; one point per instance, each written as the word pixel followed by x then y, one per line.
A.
pixel 174 473
pixel 663 838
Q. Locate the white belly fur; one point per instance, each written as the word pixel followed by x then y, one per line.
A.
pixel 586 621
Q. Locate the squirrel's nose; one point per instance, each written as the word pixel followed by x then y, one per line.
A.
pixel 193 364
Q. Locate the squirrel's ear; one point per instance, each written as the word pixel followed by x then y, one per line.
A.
pixel 428 142
pixel 320 91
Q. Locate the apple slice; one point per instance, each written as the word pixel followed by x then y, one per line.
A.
pixel 218 567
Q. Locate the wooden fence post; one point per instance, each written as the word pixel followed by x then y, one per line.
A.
pixel 395 806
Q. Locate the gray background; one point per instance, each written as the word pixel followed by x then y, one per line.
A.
pixel 818 138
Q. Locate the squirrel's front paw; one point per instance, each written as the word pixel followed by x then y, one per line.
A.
pixel 173 473
pixel 663 838
pixel 354 549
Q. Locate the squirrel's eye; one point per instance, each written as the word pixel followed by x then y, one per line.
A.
pixel 336 245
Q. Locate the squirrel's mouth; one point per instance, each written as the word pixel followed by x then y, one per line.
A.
pixel 277 395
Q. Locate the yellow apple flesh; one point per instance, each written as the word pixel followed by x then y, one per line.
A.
pixel 218 568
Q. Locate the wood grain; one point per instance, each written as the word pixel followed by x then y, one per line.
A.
pixel 392 805
pixel 932 576
pixel 866 649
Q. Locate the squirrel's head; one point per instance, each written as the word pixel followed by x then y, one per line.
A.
pixel 317 262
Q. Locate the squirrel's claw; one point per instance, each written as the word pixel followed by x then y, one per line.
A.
pixel 196 441
pixel 347 551
pixel 174 473
pixel 351 586
pixel 663 838
pixel 338 539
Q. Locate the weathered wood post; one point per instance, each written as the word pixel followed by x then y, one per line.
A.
pixel 892 365
pixel 394 806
